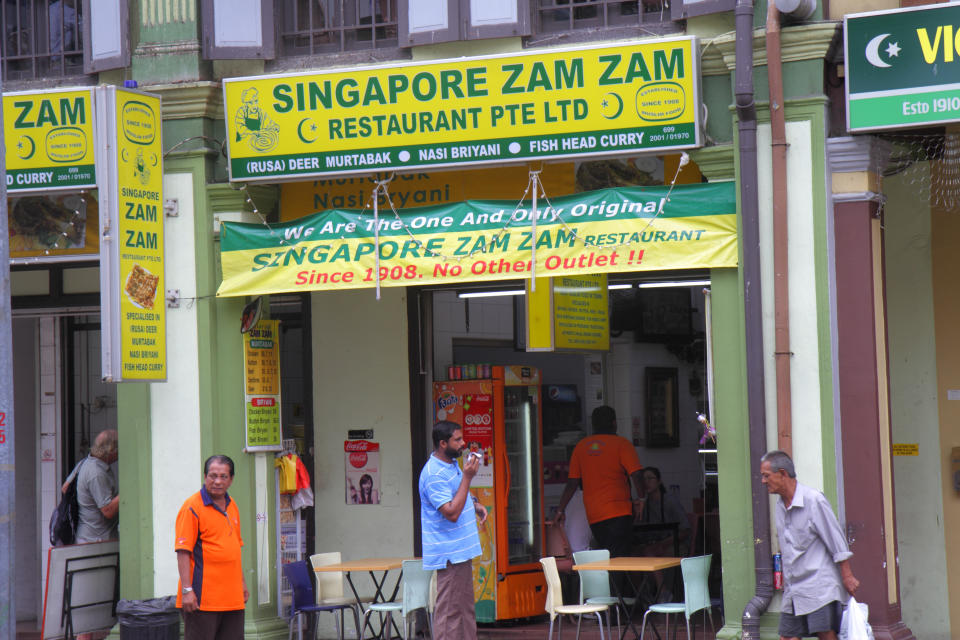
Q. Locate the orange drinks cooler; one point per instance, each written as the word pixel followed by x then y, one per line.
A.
pixel 500 416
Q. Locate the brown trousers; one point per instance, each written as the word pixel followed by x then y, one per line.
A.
pixel 453 618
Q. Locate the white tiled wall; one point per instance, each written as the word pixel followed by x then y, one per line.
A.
pixel 49 397
pixel 490 318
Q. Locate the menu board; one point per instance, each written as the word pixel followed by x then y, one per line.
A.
pixel 261 380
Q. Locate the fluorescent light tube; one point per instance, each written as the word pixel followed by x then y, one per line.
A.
pixel 678 283
pixel 491 294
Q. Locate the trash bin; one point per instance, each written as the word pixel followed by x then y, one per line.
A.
pixel 154 619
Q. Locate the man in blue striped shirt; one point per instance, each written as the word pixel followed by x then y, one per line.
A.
pixel 448 518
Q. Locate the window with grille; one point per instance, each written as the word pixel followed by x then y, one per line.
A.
pixel 567 15
pixel 41 39
pixel 308 27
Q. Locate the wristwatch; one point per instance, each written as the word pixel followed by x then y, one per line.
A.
pixel 187 590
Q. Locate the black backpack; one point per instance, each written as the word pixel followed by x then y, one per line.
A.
pixel 66 516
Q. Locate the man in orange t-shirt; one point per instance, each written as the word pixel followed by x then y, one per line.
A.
pixel 603 465
pixel 212 591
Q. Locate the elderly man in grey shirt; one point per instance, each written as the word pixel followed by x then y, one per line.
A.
pixel 816 567
pixel 97 490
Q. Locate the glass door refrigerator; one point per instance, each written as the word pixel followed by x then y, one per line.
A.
pixel 500 416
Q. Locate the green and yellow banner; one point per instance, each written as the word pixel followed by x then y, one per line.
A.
pixel 49 140
pixel 556 103
pixel 605 231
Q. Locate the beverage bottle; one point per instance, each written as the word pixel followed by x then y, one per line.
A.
pixel 777 571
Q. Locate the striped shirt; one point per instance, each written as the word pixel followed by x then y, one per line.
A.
pixel 444 540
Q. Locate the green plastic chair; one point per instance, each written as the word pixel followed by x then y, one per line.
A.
pixel 554 604
pixel 696 595
pixel 595 585
pixel 416 595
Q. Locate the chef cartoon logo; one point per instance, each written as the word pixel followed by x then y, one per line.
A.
pixel 254 125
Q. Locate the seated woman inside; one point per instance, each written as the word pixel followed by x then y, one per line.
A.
pixel 661 507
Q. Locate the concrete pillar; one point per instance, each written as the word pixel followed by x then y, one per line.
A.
pixel 862 378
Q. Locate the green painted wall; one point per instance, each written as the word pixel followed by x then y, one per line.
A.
pixel 135 480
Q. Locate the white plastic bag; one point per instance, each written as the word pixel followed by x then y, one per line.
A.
pixel 854 625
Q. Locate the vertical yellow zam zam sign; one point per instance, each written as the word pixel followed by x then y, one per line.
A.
pixel 132 266
pixel 50 140
pixel 140 182
pixel 556 103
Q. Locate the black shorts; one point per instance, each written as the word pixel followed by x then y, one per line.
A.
pixel 826 618
pixel 213 625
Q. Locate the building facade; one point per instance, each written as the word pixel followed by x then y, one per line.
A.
pixel 869 306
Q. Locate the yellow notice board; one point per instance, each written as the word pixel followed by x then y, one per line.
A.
pixel 261 379
pixel 568 313
pixel 140 236
pixel 546 104
pixel 906 449
pixel 49 137
pixel 581 312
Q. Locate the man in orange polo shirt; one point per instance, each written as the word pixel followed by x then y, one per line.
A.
pixel 213 591
pixel 603 465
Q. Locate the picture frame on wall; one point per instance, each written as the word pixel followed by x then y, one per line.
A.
pixel 662 405
pixel 664 316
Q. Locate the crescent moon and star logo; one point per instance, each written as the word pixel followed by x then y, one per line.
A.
pixel 26 147
pixel 872 52
pixel 311 129
pixel 611 105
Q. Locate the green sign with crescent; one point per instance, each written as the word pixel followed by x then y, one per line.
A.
pixel 903 67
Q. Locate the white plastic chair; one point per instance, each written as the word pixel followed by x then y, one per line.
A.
pixel 555 606
pixel 330 585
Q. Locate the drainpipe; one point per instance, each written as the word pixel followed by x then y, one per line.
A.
pixel 753 321
pixel 781 284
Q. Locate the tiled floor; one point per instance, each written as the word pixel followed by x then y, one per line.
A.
pixel 589 630
pixel 517 631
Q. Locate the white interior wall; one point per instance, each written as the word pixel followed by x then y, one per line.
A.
pixel 50 375
pixel 492 319
pixel 175 404
pixel 362 382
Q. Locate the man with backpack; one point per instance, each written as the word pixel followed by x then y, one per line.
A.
pixel 97 494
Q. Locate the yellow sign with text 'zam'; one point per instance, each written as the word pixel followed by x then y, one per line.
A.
pixel 548 104
pixel 49 138
pixel 131 252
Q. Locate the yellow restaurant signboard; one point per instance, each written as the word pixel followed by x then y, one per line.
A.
pixel 132 266
pixel 546 104
pixel 49 138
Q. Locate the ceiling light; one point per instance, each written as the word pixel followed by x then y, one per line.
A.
pixel 491 294
pixel 679 283
pixel 625 285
